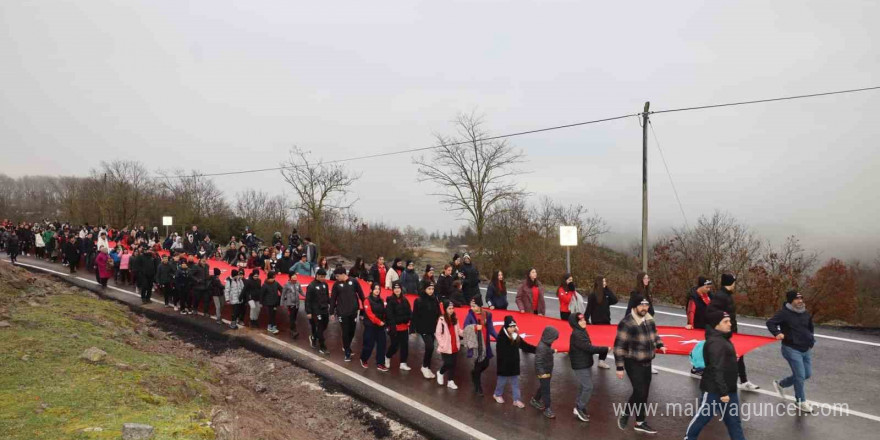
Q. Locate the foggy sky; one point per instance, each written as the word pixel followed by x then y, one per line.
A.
pixel 220 86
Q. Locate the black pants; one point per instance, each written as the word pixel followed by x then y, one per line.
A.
pixel 639 374
pixel 103 281
pixel 123 275
pixel 448 368
pixel 293 312
pixel 206 301
pixel 428 339
pixel 477 374
pixel 374 336
pixel 349 325
pixel 146 289
pixel 167 293
pixel 564 316
pixel 237 313
pixel 543 393
pixel 399 340
pixel 272 311
pixel 196 296
pixel 183 298
pixel 319 325
pixel 741 369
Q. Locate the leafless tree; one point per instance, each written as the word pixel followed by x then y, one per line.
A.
pixel 189 197
pixel 265 214
pixel 475 174
pixel 124 187
pixel 320 189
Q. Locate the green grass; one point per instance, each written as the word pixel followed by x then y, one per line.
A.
pixel 52 394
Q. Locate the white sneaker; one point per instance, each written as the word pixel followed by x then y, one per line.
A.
pixel 451 385
pixel 748 386
pixel 499 399
pixel 779 389
pixel 426 373
pixel 404 367
pixel 439 378
pixel 806 407
pixel 603 365
pixel 654 371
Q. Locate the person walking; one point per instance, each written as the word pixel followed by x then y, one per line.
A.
pixel 565 293
pixel 793 325
pixel 470 284
pixel 233 292
pixel 496 292
pixel 399 314
pixel 374 328
pixel 634 348
pixel 507 361
pixel 580 354
pixel 478 327
pixel 544 370
pixel 164 279
pixel 409 279
pixel 723 300
pixel 426 311
pixel 251 293
pixel 447 334
pixel 529 298
pixel 317 307
pixel 718 383
pixel 290 299
pixel 598 311
pixel 346 301
pixel 698 302
pixel 270 298
pixel 104 267
pixel 146 275
pixel 201 292
pixel 182 286
pixel 216 288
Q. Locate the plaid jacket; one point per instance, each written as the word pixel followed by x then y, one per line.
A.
pixel 635 341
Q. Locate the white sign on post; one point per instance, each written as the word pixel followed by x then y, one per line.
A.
pixel 568 235
pixel 166 221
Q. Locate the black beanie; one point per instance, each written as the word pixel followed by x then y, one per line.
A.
pixel 714 316
pixel 791 295
pixel 321 272
pixel 509 321
pixel 703 281
pixel 339 271
pixel 216 272
pixel 428 268
pixel 727 280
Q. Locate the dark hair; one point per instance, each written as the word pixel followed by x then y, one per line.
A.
pixel 373 286
pixel 529 281
pixel 456 284
pixel 450 320
pixel 599 290
pixel 271 274
pixel 563 284
pixel 255 272
pixel 500 286
pixel 641 288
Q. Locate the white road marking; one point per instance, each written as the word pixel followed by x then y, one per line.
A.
pixel 679 315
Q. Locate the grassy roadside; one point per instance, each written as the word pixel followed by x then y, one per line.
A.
pixel 48 392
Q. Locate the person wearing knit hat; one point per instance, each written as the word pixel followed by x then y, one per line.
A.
pixel 719 382
pixel 346 299
pixel 427 278
pixel 793 325
pixel 508 344
pixel 425 312
pixel 317 305
pixel 723 300
pixel 698 301
pixel 409 279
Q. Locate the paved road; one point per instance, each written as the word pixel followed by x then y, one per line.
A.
pixel 845 372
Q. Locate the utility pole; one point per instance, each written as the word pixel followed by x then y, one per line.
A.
pixel 645 187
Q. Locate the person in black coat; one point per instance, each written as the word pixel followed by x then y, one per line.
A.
pixel 496 292
pixel 470 285
pixel 722 300
pixel 13 247
pixel 580 354
pixel 598 311
pixel 793 324
pixel 252 292
pixel 346 301
pixel 317 305
pixel 426 311
pixel 409 279
pixel 270 298
pixel 507 348
pixel 71 254
pixel 719 379
pixel 399 314
pixel 374 328
pixel 146 272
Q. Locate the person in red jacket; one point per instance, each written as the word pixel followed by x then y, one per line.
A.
pixel 565 293
pixel 374 328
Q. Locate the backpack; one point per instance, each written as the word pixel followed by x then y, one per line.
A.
pixel 697 360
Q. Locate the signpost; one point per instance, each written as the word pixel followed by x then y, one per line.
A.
pixel 568 237
pixel 167 221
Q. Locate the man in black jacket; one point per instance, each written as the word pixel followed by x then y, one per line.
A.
pixel 722 300
pixel 719 379
pixel 317 305
pixel 164 278
pixel 793 324
pixel 580 353
pixel 425 313
pixel 146 275
pixel 345 302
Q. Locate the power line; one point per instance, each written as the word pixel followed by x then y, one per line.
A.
pixel 539 130
pixel 730 104
pixel 669 174
pixel 415 150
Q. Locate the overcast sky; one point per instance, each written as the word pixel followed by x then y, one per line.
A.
pixel 221 85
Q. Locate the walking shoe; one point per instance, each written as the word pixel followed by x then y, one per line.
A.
pixel 779 389
pixel 312 341
pixel 622 421
pixel 537 405
pixel 643 427
pixel 382 368
pixel 426 373
pixel 220 321
pixel 233 326
pixel 294 334
pixel 347 358
pixel 364 364
pixel 519 404
pixel 439 378
pixel 548 413
pixel 274 330
pixel 654 371
pixel 603 365
pixel 404 367
pixel 748 386
pixel 451 385
pixel 698 373
pixel 582 416
pixel 176 309
pixel 323 350
pixel 804 406
pixel 498 399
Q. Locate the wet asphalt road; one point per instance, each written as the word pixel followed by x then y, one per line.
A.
pixel 844 372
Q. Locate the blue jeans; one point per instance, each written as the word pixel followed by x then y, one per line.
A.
pixel 801 368
pixel 710 405
pixel 514 385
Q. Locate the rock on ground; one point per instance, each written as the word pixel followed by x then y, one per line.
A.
pixel 93 355
pixel 136 431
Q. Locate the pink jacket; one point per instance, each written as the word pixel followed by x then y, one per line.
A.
pixel 444 337
pixel 123 261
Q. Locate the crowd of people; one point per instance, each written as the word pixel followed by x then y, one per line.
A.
pixel 177 267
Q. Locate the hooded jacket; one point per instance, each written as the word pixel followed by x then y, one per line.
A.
pixel 251 290
pixel 270 294
pixel 722 299
pixel 290 294
pixel 233 290
pixel 720 375
pixel 581 348
pixel 544 351
pixel 409 281
pixel 796 326
pixel 426 310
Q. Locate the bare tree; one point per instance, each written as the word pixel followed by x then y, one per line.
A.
pixel 320 189
pixel 124 186
pixel 190 197
pixel 264 213
pixel 474 173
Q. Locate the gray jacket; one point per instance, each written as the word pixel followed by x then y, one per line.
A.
pixel 544 351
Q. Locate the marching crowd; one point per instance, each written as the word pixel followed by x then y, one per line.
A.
pixel 177 267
